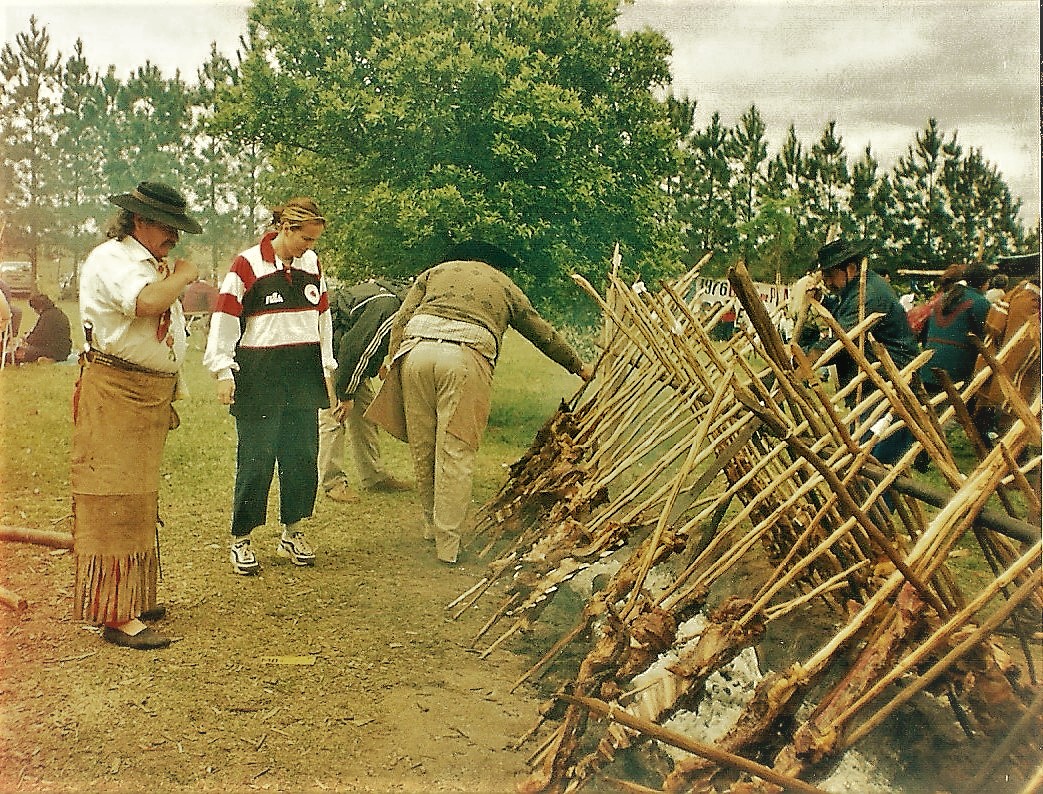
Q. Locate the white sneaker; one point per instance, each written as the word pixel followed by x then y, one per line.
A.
pixel 296 548
pixel 244 561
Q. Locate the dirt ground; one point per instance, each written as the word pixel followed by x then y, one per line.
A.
pixel 349 676
pixel 390 697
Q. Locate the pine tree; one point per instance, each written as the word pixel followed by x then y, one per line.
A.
pixel 225 178
pixel 923 218
pixel 27 108
pixel 80 154
pixel 748 150
pixel 709 210
pixel 829 178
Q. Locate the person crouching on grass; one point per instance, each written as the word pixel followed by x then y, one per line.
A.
pixel 270 348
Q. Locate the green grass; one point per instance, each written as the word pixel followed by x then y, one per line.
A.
pixel 199 460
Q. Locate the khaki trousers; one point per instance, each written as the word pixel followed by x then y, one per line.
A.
pixel 437 377
pixel 365 445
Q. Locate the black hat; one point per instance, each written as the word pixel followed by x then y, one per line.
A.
pixel 481 251
pixel 158 202
pixel 840 252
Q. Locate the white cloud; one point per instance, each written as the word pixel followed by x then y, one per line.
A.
pixel 173 35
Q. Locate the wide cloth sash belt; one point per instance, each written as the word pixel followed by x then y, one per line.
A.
pixel 97 357
pixel 950 342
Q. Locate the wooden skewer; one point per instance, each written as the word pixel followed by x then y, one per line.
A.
pixel 499 613
pixel 1027 491
pixel 1011 394
pixel 683 742
pixel 518 626
pixel 581 626
pixel 12 600
pixel 943 664
pixel 42 537
pixel 835 582
pixel 682 475
pixel 863 520
pixel 954 623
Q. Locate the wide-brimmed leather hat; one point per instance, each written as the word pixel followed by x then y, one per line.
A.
pixel 158 202
pixel 840 252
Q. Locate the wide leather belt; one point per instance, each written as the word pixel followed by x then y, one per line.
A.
pixel 97 357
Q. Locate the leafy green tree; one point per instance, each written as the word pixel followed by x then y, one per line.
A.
pixel 31 75
pixel 531 124
pixel 772 234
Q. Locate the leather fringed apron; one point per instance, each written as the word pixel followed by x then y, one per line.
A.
pixel 120 423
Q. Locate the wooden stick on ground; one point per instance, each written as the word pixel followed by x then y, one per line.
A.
pixel 12 600
pixel 41 537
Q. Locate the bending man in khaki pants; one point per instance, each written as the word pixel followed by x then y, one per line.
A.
pixel 444 345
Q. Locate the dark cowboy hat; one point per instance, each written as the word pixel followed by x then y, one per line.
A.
pixel 840 252
pixel 481 251
pixel 158 202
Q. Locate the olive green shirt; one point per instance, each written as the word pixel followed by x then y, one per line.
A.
pixel 476 293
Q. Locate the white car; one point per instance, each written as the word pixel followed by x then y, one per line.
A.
pixel 18 276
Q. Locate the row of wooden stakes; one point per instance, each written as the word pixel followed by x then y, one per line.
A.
pixel 688 459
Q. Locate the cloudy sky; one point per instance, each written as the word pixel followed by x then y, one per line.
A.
pixel 880 69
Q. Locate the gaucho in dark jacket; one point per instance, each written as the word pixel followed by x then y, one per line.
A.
pixel 839 262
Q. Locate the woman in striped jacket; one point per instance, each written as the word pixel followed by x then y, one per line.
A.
pixel 271 350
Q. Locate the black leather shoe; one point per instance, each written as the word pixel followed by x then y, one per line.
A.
pixel 145 640
pixel 158 612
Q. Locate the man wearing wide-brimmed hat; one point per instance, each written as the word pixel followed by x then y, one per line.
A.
pixel 840 264
pixel 122 410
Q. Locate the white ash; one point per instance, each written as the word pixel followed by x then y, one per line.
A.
pixel 727 691
pixel 583 582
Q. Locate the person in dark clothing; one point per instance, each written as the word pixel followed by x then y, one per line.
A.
pixel 50 339
pixel 362 317
pixel 959 313
pixel 840 262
